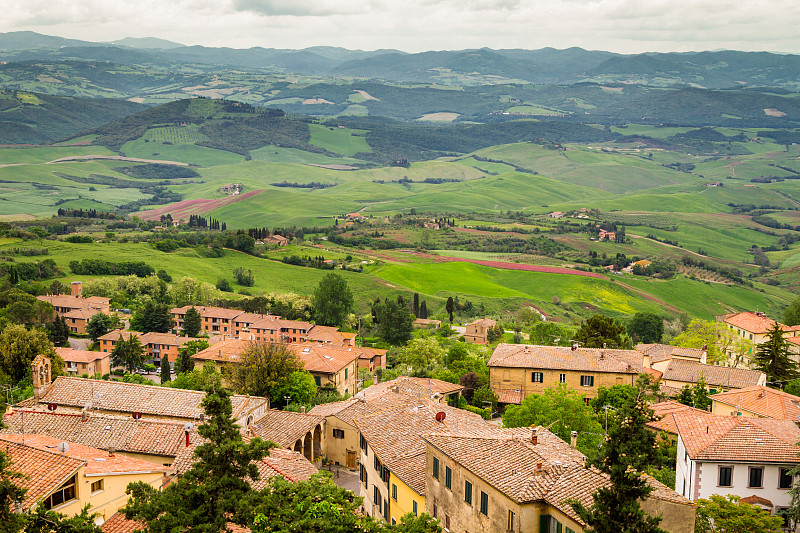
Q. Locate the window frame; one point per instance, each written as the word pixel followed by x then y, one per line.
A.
pixel 338 433
pixel 448 478
pixel 468 492
pixel 394 492
pixel 69 486
pixel 510 525
pixel 781 471
pixel 562 378
pixel 537 377
pixel 587 381
pixel 100 486
pixel 484 504
pixel 750 470
pixel 436 468
pixel 719 475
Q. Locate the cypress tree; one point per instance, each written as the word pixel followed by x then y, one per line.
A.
pixel 165 370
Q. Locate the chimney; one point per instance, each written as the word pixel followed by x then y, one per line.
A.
pixel 704 355
pixel 76 288
pixel 534 438
pixel 573 440
pixel 111 452
pixel 302 409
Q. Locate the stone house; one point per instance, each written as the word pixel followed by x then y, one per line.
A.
pixel 478 331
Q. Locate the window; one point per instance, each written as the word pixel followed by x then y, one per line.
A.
pixel 362 474
pixel 386 510
pixel 338 433
pixel 484 504
pixel 346 372
pixel 448 477
pixel 587 381
pixel 394 522
pixel 725 476
pixel 62 494
pixel 317 381
pixel 785 479
pixel 435 509
pixel 468 492
pixel 447 522
pixel 394 492
pixel 510 520
pixel 362 442
pixel 376 496
pixel 756 477
pixel 562 378
pixel 436 467
pixel 537 377
pixel 97 485
pixel 414 508
pixel 377 463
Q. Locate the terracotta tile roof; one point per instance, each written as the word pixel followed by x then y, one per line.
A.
pixel 81 314
pixel 754 322
pixel 97 461
pixel 485 322
pixel 368 353
pixel 225 351
pixel 666 410
pixel 509 396
pixel 762 401
pixel 662 352
pixel 44 470
pixel 124 434
pixel 80 356
pixel 150 400
pixel 117 333
pixel 509 461
pixel 170 339
pixel 737 438
pixel 395 435
pixel 66 300
pixel 249 318
pixel 220 312
pixel 269 322
pixel 565 358
pixel 756 500
pixel 119 524
pixel 324 359
pixel 721 376
pixel 285 427
pixel 385 395
pixel 291 465
pixel 295 324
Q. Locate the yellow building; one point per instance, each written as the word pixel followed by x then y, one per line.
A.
pixel 754 326
pixel 518 370
pixel 68 478
pixel 392 448
pixel 521 479
pixel 477 332
pixel 342 438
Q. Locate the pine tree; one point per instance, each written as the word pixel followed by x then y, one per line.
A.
pixel 165 370
pixel 416 305
pixel 773 358
pixel 210 494
pixel 627 451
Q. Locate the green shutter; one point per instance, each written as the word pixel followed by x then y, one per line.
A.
pixel 558 527
pixel 544 523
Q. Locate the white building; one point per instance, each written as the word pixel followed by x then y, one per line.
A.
pixel 748 457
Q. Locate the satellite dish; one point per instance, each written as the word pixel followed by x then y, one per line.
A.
pixel 440 416
pixel 63 447
pixel 187 427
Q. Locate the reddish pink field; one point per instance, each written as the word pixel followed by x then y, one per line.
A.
pixel 182 210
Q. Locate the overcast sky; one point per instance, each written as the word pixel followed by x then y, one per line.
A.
pixel 626 26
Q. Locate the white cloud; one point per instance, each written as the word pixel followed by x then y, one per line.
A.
pixel 415 25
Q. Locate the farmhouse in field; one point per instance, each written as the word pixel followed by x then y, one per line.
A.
pixel 478 331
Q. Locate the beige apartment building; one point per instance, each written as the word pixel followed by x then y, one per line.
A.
pixel 518 370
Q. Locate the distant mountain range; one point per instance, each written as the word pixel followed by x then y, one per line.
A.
pixel 718 69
